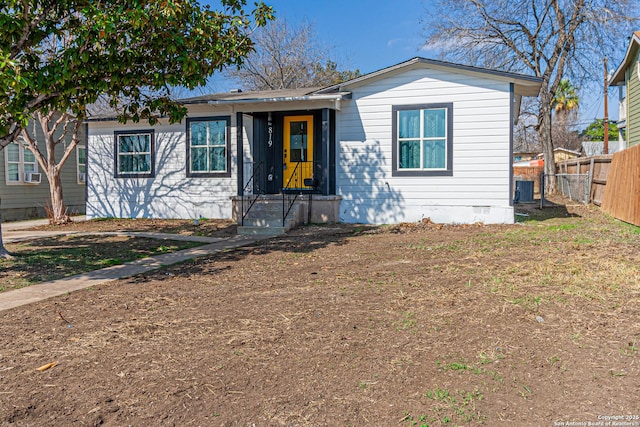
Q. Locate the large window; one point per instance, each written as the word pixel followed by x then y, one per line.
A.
pixel 208 147
pixel 21 165
pixel 134 154
pixel 423 140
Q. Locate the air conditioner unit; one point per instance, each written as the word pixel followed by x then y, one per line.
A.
pixel 82 177
pixel 32 178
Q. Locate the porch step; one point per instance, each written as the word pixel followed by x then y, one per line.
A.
pixel 265 218
pixel 247 230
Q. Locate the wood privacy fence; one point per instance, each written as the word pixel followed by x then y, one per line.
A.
pixel 622 195
pixel 598 169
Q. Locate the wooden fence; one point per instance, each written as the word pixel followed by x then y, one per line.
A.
pixel 622 194
pixel 597 166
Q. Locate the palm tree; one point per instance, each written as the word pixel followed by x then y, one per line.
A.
pixel 566 98
pixel 565 103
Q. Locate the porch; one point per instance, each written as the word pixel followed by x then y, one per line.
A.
pixel 287 167
pixel 279 213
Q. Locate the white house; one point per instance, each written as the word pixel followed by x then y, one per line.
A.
pixel 421 139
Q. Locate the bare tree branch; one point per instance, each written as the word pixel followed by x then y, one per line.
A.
pixel 551 39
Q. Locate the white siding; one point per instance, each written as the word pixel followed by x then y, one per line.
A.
pixel 170 194
pixel 478 191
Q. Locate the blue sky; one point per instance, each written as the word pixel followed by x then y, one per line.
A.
pixel 369 35
pixel 365 35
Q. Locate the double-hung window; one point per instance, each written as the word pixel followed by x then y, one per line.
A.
pixel 21 165
pixel 135 155
pixel 423 140
pixel 81 161
pixel 208 147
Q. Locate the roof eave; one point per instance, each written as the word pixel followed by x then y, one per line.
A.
pixel 306 98
pixel 337 97
pixel 618 77
pixel 525 85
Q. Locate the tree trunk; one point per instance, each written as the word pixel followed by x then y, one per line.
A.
pixel 544 132
pixel 58 213
pixel 4 253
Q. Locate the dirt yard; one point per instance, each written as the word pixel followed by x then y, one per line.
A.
pixel 535 324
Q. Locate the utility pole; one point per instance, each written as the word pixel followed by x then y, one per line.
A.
pixel 606 108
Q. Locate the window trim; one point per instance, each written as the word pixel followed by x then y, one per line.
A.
pixel 210 174
pixel 116 172
pixel 20 163
pixel 78 147
pixel 448 170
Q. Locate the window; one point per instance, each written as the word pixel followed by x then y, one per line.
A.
pixel 135 156
pixel 81 161
pixel 22 167
pixel 208 147
pixel 423 140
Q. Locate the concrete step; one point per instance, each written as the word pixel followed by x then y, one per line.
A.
pixel 268 222
pixel 261 231
pixel 265 218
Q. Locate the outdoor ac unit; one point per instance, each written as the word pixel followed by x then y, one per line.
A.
pixel 82 177
pixel 32 178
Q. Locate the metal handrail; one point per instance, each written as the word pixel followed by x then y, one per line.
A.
pixel 251 181
pixel 285 196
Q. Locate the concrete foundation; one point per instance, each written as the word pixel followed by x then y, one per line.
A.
pixel 314 208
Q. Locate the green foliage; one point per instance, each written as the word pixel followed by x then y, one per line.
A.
pixel 595 131
pixel 62 55
pixel 327 74
pixel 566 97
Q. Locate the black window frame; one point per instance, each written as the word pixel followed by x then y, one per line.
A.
pixel 116 169
pixel 209 174
pixel 448 171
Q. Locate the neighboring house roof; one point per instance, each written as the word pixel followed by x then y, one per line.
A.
pixel 618 77
pixel 524 85
pixel 529 163
pixel 596 148
pixel 566 150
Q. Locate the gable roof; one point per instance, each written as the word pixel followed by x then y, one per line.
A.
pixel 619 76
pixel 525 85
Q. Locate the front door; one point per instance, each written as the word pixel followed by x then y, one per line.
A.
pixel 297 152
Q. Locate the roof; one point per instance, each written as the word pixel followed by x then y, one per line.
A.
pixel 237 96
pixel 566 150
pixel 525 85
pixel 252 97
pixel 618 77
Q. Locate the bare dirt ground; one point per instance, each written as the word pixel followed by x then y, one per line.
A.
pixel 205 227
pixel 535 324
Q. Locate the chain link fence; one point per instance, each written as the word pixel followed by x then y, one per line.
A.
pixel 574 186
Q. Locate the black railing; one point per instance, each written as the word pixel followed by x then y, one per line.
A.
pixel 287 200
pixel 302 179
pixel 255 190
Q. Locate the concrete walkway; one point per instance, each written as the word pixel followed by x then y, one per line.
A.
pixel 41 291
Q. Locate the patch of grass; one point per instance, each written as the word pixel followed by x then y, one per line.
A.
pixel 529 302
pixel 446 406
pixel 630 350
pixel 463 366
pixel 42 260
pixel 562 227
pixel 525 392
pixel 407 322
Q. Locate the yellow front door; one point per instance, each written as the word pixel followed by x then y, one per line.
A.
pixel 297 151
